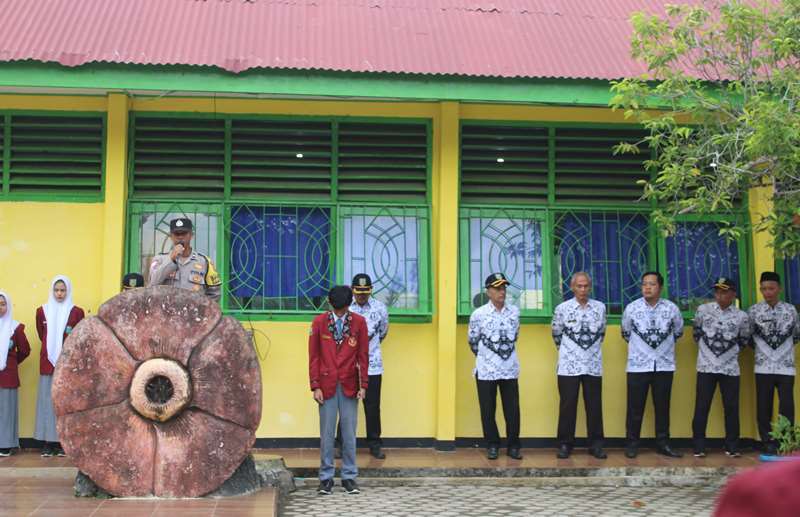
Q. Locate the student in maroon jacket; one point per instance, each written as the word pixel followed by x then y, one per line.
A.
pixel 338 363
pixel 54 322
pixel 14 348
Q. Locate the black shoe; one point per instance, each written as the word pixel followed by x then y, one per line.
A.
pixel 492 453
pixel 5 452
pixel 47 452
pixel 60 452
pixel 325 487
pixel 377 452
pixel 631 451
pixel 598 453
pixel 337 453
pixel 350 486
pixel 733 453
pixel 563 451
pixel 514 453
pixel 666 450
pixel 699 453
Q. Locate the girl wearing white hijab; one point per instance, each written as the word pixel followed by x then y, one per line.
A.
pixel 54 322
pixel 14 348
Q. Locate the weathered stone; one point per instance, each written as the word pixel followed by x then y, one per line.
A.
pixel 226 380
pixel 273 472
pixel 244 480
pixel 85 487
pixel 158 395
pixel 160 321
pixel 197 452
pixel 92 369
pixel 113 445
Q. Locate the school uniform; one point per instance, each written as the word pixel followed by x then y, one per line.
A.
pixel 14 348
pixel 52 332
pixel 338 358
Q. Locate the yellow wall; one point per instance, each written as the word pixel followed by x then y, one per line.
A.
pixel 428 390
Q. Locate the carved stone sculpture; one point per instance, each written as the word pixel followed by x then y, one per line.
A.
pixel 158 394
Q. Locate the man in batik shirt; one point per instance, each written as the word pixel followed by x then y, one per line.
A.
pixel 775 330
pixel 493 330
pixel 650 325
pixel 579 325
pixel 721 330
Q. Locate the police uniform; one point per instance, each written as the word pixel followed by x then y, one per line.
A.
pixel 492 338
pixel 195 273
pixel 775 330
pixel 720 335
pixel 578 332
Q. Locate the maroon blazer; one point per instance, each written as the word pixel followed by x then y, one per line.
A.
pixel 75 316
pixel 346 363
pixel 17 352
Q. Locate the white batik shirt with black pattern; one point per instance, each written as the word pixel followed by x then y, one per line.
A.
pixel 720 335
pixel 492 337
pixel 651 332
pixel 578 331
pixel 775 330
pixel 377 316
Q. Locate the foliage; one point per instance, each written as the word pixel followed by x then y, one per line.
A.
pixel 720 101
pixel 786 434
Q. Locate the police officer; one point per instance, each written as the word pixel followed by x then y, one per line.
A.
pixel 721 330
pixel 775 330
pixel 492 336
pixel 132 281
pixel 182 266
pixel 579 326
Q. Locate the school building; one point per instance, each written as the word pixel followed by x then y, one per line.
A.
pixel 424 142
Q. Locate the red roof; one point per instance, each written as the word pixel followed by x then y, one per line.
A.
pixel 500 38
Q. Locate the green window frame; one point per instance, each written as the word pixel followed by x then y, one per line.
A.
pixel 348 165
pixel 52 155
pixel 549 163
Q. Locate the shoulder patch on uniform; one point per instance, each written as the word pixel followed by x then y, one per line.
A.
pixel 212 277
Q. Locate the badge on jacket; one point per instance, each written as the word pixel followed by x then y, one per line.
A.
pixel 352 341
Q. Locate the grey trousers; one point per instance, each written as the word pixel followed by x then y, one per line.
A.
pixel 347 410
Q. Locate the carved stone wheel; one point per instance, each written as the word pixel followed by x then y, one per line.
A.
pixel 158 394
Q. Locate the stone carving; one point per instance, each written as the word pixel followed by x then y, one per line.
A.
pixel 158 394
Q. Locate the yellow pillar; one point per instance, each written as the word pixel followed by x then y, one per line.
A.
pixel 446 280
pixel 116 185
pixel 763 260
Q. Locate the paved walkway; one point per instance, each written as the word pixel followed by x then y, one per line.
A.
pixel 487 500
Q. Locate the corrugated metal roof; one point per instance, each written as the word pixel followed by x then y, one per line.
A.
pixel 500 38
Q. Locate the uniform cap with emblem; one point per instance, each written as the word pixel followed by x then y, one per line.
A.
pixel 725 284
pixel 132 281
pixel 362 284
pixel 181 224
pixel 496 280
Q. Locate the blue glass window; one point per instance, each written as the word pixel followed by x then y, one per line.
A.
pixel 791 280
pixel 279 258
pixel 696 256
pixel 612 247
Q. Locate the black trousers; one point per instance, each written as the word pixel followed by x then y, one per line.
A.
pixel 568 387
pixel 638 386
pixel 766 384
pixel 372 413
pixel 487 398
pixel 729 388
